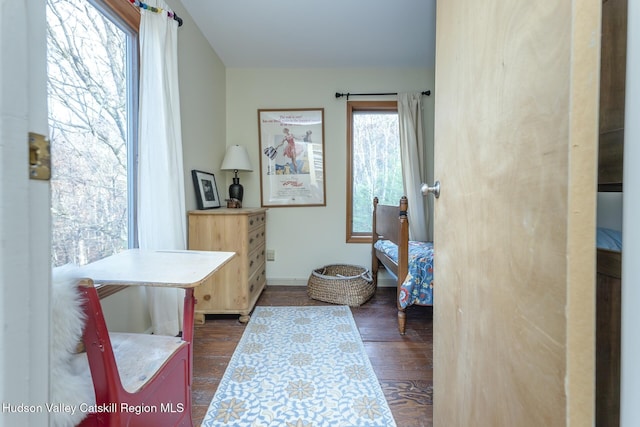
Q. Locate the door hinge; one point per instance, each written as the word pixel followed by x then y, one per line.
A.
pixel 39 157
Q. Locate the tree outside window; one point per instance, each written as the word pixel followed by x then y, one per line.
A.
pixel 374 168
pixel 91 103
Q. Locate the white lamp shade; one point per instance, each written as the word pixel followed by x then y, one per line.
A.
pixel 236 158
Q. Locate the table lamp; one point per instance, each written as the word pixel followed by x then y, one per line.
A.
pixel 236 159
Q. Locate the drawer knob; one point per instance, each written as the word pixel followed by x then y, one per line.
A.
pixel 206 297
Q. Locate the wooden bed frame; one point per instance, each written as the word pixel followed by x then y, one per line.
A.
pixel 391 223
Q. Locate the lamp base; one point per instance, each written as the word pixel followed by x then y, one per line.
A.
pixel 236 191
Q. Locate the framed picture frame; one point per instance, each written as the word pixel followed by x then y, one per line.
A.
pixel 291 143
pixel 206 189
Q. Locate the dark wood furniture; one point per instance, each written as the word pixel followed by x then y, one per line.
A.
pixel 612 94
pixel 608 337
pixel 610 166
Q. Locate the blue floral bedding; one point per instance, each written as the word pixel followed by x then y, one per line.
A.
pixel 607 238
pixel 417 287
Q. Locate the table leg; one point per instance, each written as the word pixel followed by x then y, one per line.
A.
pixel 187 332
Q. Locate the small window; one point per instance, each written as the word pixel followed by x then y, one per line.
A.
pixel 374 168
pixel 92 86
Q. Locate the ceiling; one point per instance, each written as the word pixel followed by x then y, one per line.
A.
pixel 318 34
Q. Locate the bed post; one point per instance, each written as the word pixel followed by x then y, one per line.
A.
pixel 403 260
pixel 374 239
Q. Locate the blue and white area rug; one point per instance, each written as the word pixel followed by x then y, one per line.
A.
pixel 299 367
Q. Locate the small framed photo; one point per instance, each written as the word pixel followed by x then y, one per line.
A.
pixel 206 189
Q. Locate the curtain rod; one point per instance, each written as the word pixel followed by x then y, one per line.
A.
pixel 339 95
pixel 170 13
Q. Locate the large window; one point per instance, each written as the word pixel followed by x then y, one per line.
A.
pixel 373 163
pixel 92 87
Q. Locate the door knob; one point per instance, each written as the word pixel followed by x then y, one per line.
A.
pixel 435 189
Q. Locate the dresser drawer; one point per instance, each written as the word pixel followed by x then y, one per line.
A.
pixel 256 260
pixel 256 220
pixel 256 238
pixel 257 281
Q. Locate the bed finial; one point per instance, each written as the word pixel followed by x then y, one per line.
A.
pixel 404 206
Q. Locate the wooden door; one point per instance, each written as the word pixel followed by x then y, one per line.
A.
pixel 516 102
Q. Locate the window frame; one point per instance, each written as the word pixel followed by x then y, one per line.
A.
pixel 126 11
pixel 127 16
pixel 352 107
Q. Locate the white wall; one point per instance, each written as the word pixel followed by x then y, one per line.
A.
pixel 202 102
pixel 630 376
pixel 610 210
pixel 305 238
pixel 127 311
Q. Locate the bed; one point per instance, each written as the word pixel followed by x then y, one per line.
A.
pixel 410 262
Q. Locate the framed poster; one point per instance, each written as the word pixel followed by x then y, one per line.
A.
pixel 206 189
pixel 291 157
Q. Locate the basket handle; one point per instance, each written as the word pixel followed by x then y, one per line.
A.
pixel 367 276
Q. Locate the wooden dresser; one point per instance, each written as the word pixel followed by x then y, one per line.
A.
pixel 235 288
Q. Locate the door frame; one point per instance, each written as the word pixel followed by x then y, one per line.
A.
pixel 24 216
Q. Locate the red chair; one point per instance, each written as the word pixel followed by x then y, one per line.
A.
pixel 139 379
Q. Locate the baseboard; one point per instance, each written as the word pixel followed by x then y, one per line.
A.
pixel 274 281
pixel 384 281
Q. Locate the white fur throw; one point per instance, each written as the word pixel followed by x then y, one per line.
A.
pixel 68 386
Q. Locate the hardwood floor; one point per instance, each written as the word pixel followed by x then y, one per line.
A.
pixel 403 364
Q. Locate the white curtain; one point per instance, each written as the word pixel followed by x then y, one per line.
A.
pixel 161 204
pixel 412 154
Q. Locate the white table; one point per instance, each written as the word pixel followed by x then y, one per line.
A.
pixel 161 268
pixel 143 267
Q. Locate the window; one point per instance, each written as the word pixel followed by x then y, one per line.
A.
pixel 373 163
pixel 92 92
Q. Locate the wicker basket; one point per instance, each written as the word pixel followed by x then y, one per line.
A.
pixel 344 284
